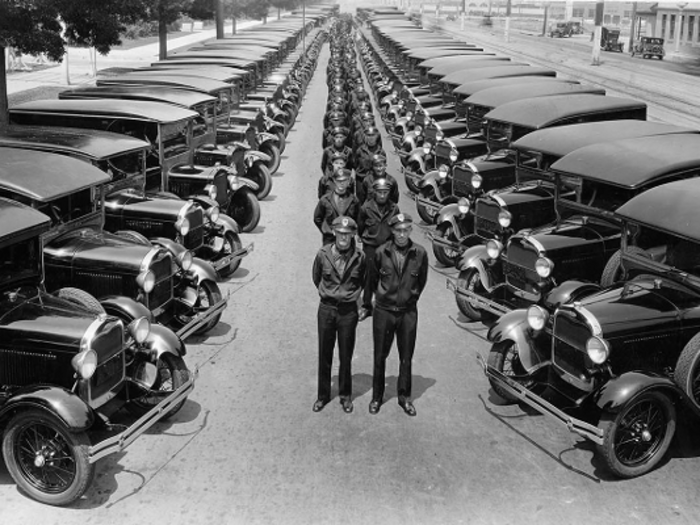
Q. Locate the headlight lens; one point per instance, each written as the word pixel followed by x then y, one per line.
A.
pixel 184 260
pixel 476 181
pixel 211 191
pixel 494 249
pixel 213 213
pixel 146 281
pixel 598 350
pixel 139 329
pixel 544 267
pixel 440 135
pixel 463 205
pixel 418 130
pixel 537 317
pixel 427 147
pixel 183 226
pixel 454 155
pixel 233 182
pixel 504 218
pixel 85 363
pixel 442 171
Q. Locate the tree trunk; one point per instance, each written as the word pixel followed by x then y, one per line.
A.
pixel 279 13
pixel 4 106
pixel 220 19
pixel 233 26
pixel 162 39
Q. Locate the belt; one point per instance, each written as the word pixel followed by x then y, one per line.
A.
pixel 396 309
pixel 339 304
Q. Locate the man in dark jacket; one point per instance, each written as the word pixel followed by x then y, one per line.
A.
pixel 365 191
pixel 398 277
pixel 339 273
pixel 335 203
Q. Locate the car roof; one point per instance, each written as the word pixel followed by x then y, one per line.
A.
pixel 91 143
pixel 434 62
pixel 562 140
pixel 43 177
pixel 474 86
pixel 539 112
pixel 680 215
pixel 633 162
pixel 108 107
pixel 16 218
pixel 180 97
pixel 511 69
pixel 193 81
pixel 503 94
pixel 468 64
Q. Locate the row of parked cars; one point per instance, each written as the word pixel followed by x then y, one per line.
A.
pixel 572 221
pixel 121 207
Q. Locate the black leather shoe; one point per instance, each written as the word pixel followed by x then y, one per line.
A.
pixel 374 407
pixel 319 404
pixel 347 405
pixel 408 407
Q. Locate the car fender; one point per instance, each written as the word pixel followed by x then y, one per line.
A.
pixel 513 326
pixel 244 182
pixel 125 308
pixel 417 155
pixel 170 245
pixel 430 179
pixel 162 340
pixel 567 292
pixel 201 270
pixel 264 136
pixel 72 411
pixel 448 215
pixel 252 156
pixel 619 391
pixel 228 223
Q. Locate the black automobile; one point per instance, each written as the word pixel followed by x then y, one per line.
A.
pixel 67 367
pixel 620 362
pixel 649 47
pixel 128 208
pixel 115 268
pixel 591 183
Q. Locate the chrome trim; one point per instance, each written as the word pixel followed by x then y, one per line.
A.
pixel 148 259
pixel 499 200
pixel 591 320
pixel 541 251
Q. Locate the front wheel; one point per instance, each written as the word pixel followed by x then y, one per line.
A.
pixel 427 214
pixel 260 174
pixel 275 156
pixel 225 246
pixel 244 208
pixel 446 256
pixel 46 460
pixel 196 299
pixel 410 181
pixel 687 373
pixel 636 439
pixel 471 280
pixel 505 358
pixel 172 374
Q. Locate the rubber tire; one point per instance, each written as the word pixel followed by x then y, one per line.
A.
pixel 612 268
pixel 497 359
pixel 81 298
pixel 446 231
pixel 611 425
pixel 426 216
pixel 213 295
pixel 235 244
pixel 76 443
pixel 177 373
pixel 133 236
pixel 275 156
pixel 260 174
pixel 244 208
pixel 687 372
pixel 469 311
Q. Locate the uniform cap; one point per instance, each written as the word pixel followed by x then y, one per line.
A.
pixel 338 155
pixel 342 174
pixel 344 224
pixel 339 130
pixel 382 184
pixel 372 131
pixel 401 220
pixel 378 159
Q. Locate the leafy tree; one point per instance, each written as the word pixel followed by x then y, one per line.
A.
pixel 283 5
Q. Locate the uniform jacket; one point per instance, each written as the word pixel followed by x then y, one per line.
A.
pixel 333 286
pixel 373 224
pixel 327 210
pixel 363 158
pixel 327 158
pixel 394 290
pixel 365 191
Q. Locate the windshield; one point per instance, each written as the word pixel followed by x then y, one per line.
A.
pixel 663 248
pixel 123 166
pixel 70 207
pixel 593 194
pixel 20 261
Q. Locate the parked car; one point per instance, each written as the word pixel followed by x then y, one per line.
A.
pixel 610 40
pixel 561 30
pixel 649 47
pixel 623 360
pixel 66 367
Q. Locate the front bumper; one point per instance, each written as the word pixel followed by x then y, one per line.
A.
pixel 480 302
pixel 202 318
pixel 218 264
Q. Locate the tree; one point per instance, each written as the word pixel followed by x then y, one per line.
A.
pixel 283 4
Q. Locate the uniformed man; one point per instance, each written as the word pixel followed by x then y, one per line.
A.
pixel 363 156
pixel 336 203
pixel 398 277
pixel 338 146
pixel 339 272
pixel 365 191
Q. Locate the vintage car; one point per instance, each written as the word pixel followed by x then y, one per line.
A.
pixel 115 268
pixel 67 367
pixel 591 183
pixel 529 202
pixel 649 47
pixel 610 40
pixel 172 131
pixel 618 363
pixel 128 207
pixel 561 30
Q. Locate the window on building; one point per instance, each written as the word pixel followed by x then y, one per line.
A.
pixel 606 19
pixel 591 13
pixel 691 23
pixel 577 13
pixel 672 29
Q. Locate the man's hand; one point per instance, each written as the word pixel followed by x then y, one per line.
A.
pixel 364 314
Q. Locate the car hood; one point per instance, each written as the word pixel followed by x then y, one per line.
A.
pixel 565 235
pixel 135 205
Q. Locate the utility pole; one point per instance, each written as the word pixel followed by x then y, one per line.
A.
pixel 633 22
pixel 219 19
pixel 597 33
pixel 544 23
pixel 507 27
pixel 303 25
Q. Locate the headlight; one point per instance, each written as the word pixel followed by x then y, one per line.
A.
pixel 419 130
pixel 504 218
pixel 184 260
pixel 439 135
pixel 183 225
pixel 598 350
pixel 544 267
pixel 213 213
pixel 476 181
pixel 409 115
pixel 85 363
pixel 537 317
pixel 233 182
pixel 211 191
pixel 463 205
pixel 494 249
pixel 442 171
pixel 146 281
pixel 454 155
pixel 427 148
pixel 139 329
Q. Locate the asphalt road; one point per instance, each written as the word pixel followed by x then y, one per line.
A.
pixel 247 448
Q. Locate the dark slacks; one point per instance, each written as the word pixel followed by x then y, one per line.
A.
pixel 336 322
pixel 371 271
pixel 385 325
